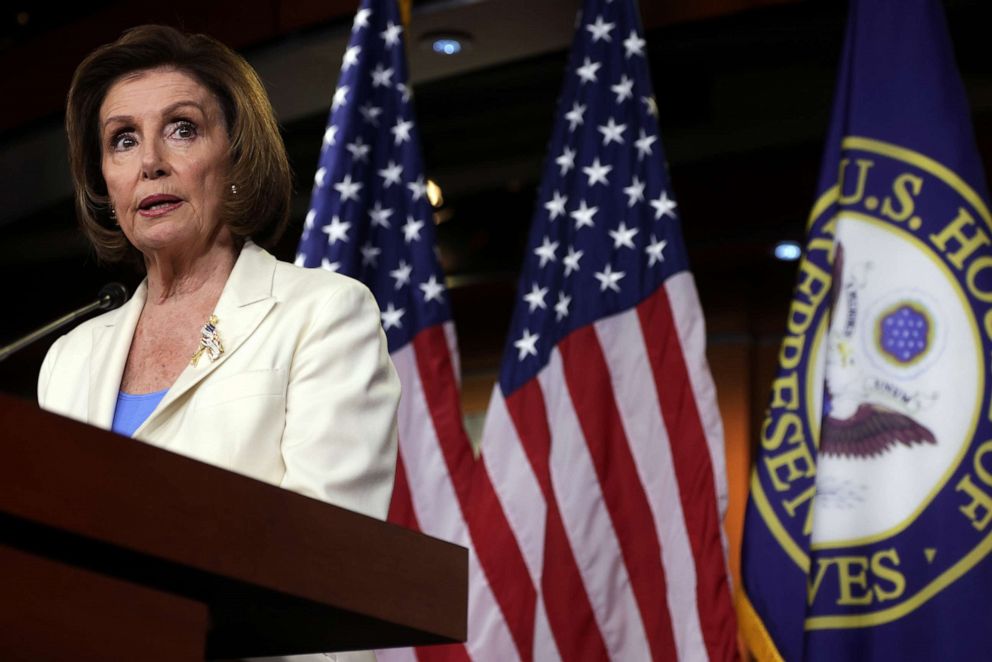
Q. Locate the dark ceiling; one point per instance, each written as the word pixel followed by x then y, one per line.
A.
pixel 744 102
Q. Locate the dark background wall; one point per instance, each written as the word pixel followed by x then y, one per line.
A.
pixel 744 89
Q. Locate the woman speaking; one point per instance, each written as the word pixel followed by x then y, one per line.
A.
pixel 223 353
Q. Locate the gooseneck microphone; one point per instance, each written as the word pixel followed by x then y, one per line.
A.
pixel 111 296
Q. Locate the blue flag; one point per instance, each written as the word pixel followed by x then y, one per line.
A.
pixel 870 518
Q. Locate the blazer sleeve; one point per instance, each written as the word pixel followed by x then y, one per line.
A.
pixel 339 442
pixel 45 374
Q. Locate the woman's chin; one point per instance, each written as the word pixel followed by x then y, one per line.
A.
pixel 161 241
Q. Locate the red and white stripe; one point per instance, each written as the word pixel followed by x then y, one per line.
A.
pixel 435 484
pixel 608 472
pixel 593 516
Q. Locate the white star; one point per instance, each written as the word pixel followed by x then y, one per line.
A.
pixel 340 97
pixel 663 206
pixel 319 177
pixel 574 116
pixel 432 289
pixel 654 251
pixel 587 72
pixel 348 189
pixel 401 131
pixel 600 30
pixel 572 260
pixel 401 274
pixel 583 215
pixel 623 236
pixel 361 19
pixel 652 105
pixel 391 174
pixel 418 188
pixel 370 113
pixel 391 35
pixel 608 279
pixel 381 77
pixel 612 132
pixel 330 134
pixel 301 260
pixel 404 91
pixel 391 317
pixel 643 145
pixel 359 150
pixel 379 215
pixel 633 44
pixel 624 89
pixel 561 308
pixel 547 251
pixel 597 172
pixel 556 205
pixel 329 266
pixel 411 230
pixel 308 221
pixel 336 230
pixel 566 161
pixel 350 57
pixel 634 192
pixel 370 254
pixel 535 298
pixel 526 345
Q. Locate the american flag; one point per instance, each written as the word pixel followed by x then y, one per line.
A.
pixel 370 218
pixel 603 443
pixel 593 518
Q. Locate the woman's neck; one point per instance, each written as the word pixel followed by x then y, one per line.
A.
pixel 174 279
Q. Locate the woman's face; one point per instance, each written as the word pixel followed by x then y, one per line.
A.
pixel 165 161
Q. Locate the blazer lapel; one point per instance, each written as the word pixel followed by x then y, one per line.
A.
pixel 244 303
pixel 108 356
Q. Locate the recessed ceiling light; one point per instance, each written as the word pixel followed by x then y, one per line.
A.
pixel 447 46
pixel 446 43
pixel 788 251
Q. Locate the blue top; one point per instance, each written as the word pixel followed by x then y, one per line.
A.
pixel 132 410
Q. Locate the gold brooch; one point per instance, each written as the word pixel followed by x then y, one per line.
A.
pixel 209 342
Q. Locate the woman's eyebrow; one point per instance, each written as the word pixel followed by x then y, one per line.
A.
pixel 168 110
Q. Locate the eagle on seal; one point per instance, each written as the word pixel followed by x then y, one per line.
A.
pixel 852 427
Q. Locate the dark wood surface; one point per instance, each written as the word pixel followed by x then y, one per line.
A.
pixel 54 611
pixel 279 572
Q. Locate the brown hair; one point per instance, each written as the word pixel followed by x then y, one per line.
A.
pixel 259 166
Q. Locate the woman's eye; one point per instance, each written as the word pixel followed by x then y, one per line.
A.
pixel 184 130
pixel 122 140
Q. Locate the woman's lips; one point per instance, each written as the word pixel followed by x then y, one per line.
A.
pixel 158 205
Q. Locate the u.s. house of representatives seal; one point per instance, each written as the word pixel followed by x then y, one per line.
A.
pixel 876 472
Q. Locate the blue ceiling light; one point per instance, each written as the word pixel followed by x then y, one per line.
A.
pixel 788 251
pixel 446 46
pixel 446 42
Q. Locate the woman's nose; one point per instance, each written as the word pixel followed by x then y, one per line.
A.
pixel 153 162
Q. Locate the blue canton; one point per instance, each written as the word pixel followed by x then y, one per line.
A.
pixel 605 234
pixel 369 216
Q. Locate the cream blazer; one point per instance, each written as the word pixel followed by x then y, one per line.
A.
pixel 304 395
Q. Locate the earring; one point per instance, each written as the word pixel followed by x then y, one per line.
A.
pixel 113 214
pixel 234 189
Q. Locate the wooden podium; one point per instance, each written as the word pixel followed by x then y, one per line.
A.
pixel 112 549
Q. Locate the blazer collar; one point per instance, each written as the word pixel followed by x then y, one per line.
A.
pixel 243 304
pixel 111 342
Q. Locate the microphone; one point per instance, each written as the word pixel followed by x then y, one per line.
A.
pixel 111 295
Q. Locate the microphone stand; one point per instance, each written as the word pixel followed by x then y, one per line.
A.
pixel 111 296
